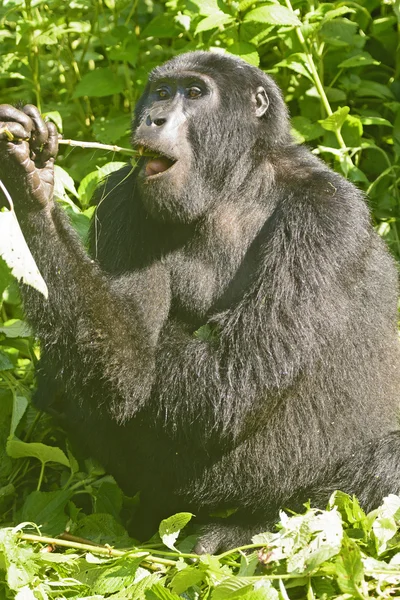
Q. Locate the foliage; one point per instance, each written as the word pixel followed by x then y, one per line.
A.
pixel 337 553
pixel 84 63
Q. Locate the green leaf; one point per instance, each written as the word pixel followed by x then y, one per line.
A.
pixel 358 60
pixel 63 181
pixel 110 130
pixel 108 499
pixel 373 89
pixel 297 62
pixel 337 12
pixel 102 528
pixel 5 362
pixel 186 578
pixel 55 117
pixel 170 528
pixel 273 14
pixel 98 83
pixel 335 121
pixel 47 509
pixel 247 52
pixel 162 26
pixel 159 592
pixel 207 8
pixel 119 576
pixel 244 588
pixel 15 328
pixel 15 252
pixel 349 568
pixel 306 130
pixel 339 32
pixel 44 453
pixel 217 20
pixel 20 404
pixel 375 121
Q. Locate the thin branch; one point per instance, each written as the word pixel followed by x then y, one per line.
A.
pixel 98 146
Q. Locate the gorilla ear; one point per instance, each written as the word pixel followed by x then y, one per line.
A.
pixel 262 102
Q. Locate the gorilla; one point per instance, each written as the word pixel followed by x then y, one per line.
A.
pixel 230 340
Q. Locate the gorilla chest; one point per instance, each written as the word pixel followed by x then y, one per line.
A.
pixel 200 285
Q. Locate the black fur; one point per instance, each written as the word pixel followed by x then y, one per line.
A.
pixel 293 389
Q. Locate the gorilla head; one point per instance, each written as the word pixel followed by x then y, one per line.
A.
pixel 204 132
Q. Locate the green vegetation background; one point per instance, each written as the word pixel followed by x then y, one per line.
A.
pixel 85 63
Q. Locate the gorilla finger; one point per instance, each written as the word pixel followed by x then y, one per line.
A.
pixel 51 148
pixel 9 113
pixel 12 131
pixel 40 133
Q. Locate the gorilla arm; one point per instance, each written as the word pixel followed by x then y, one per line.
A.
pixel 87 315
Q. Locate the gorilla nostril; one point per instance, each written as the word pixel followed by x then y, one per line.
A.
pixel 159 122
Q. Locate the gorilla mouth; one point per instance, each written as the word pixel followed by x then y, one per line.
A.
pixel 155 162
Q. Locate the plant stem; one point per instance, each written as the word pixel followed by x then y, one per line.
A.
pixel 41 476
pixel 316 78
pixel 104 550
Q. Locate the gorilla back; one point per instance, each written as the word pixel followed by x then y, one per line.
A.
pixel 255 362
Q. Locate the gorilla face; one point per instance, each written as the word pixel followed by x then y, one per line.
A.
pixel 204 122
pixel 169 177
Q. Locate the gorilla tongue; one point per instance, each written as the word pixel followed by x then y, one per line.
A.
pixel 158 165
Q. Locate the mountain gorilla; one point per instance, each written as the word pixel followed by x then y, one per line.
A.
pixel 232 341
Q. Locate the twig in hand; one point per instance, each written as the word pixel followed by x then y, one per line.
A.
pixel 7 133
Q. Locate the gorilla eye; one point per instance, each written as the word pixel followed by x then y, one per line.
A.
pixel 194 92
pixel 162 93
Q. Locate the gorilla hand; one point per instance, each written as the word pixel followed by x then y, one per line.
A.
pixel 28 147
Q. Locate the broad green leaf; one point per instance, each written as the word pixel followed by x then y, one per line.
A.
pixel 273 14
pixel 349 568
pixel 55 117
pixel 44 453
pixel 119 576
pixel 212 22
pixel 89 183
pixel 335 121
pixel 384 528
pixel 186 578
pixel 373 89
pixel 102 528
pixel 358 60
pixel 237 588
pixel 170 528
pixel 339 32
pixel 98 83
pixel 15 252
pixel 337 12
pixel 306 130
pixel 207 8
pixel 88 186
pixel 15 328
pixel 5 362
pixel 110 130
pixel 47 509
pixel 62 180
pixel 159 592
pixel 20 404
pixel 162 26
pixel 365 120
pixel 247 52
pixel 297 62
